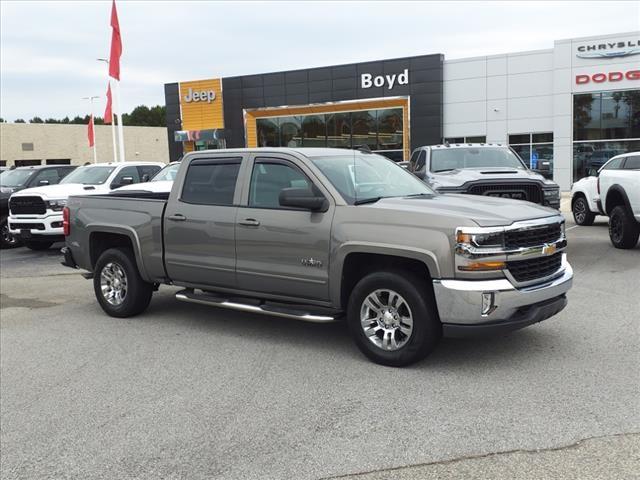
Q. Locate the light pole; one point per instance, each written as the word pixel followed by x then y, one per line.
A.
pixel 95 137
pixel 113 124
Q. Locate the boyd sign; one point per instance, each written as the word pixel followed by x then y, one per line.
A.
pixel 201 96
pixel 367 80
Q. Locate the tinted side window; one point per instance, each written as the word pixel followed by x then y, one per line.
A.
pixel 613 164
pixel 148 170
pixel 268 179
pixel 127 172
pixel 210 182
pixel 632 163
pixel 422 159
pixel 49 175
pixel 63 172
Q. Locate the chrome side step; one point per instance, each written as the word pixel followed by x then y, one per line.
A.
pixel 262 308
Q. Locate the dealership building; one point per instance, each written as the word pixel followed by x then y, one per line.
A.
pixel 563 109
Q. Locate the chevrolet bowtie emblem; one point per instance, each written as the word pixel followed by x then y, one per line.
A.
pixel 548 249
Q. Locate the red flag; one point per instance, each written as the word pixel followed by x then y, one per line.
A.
pixel 107 111
pixel 116 44
pixel 90 132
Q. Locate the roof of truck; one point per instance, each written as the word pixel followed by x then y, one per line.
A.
pixel 306 151
pixel 467 145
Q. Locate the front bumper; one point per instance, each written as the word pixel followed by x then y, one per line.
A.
pixel 37 227
pixel 489 305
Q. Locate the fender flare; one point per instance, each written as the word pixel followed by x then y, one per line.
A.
pixel 617 188
pixel 425 256
pixel 128 232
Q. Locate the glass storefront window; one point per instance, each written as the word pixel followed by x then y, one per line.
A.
pixel 339 130
pixel 314 133
pixel 290 132
pixel 588 155
pixel 536 150
pixel 472 139
pixel 268 132
pixel 611 117
pixel 390 129
pixel 364 129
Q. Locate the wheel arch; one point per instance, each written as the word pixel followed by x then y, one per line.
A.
pixel 112 236
pixel 616 196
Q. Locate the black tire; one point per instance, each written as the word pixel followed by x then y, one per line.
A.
pixel 137 292
pixel 624 230
pixel 38 245
pixel 418 295
pixel 6 239
pixel 581 212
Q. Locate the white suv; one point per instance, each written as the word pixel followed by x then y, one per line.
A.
pixel 35 214
pixel 619 189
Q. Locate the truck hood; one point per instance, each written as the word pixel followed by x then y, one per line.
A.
pixel 484 211
pixel 62 191
pixel 456 178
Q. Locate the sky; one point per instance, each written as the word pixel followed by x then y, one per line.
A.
pixel 48 49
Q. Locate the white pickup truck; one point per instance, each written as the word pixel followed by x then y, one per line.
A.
pixel 619 189
pixel 35 214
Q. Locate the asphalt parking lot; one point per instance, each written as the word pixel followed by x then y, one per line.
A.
pixel 188 391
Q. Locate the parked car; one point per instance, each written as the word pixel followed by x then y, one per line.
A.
pixel 160 182
pixel 491 170
pixel 584 199
pixel 35 214
pixel 21 178
pixel 314 234
pixel 618 185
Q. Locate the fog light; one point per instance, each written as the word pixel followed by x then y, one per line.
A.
pixel 488 303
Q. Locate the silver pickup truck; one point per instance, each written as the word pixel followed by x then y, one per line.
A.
pixel 321 234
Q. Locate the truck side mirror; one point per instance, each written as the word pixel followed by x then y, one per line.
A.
pixel 145 178
pixel 302 198
pixel 421 174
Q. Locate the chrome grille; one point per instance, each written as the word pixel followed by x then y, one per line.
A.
pixel 532 237
pixel 27 206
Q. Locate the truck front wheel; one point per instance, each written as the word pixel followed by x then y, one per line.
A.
pixel 393 319
pixel 624 230
pixel 118 286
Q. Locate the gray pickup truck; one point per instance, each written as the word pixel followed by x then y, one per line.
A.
pixel 488 169
pixel 321 234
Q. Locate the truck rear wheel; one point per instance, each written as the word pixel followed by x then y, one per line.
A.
pixel 118 286
pixel 624 230
pixel 7 240
pixel 392 318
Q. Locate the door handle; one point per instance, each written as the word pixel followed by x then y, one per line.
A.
pixel 178 217
pixel 249 222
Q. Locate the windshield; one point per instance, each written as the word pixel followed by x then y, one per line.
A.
pixel 456 158
pixel 89 175
pixel 15 178
pixel 167 173
pixel 360 177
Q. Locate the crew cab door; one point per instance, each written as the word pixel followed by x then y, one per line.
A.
pixel 199 222
pixel 282 251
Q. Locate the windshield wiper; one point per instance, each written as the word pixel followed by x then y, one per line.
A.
pixel 415 195
pixel 445 170
pixel 367 200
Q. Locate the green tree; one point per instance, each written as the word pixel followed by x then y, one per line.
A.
pixel 20 120
pixel 36 120
pixel 2 120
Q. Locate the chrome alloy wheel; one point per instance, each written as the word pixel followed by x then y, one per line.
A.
pixel 386 319
pixel 113 283
pixel 580 210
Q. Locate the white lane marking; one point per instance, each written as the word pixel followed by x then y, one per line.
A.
pixel 571 228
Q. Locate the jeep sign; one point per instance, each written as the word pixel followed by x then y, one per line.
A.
pixel 367 80
pixel 202 96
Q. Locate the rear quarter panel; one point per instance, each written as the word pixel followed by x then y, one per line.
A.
pixel 139 219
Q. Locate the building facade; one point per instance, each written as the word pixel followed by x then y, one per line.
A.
pixel 24 144
pixel 564 110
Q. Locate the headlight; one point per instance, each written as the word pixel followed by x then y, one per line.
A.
pixel 56 205
pixel 480 240
pixel 551 193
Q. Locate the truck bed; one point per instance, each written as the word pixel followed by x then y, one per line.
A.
pixel 137 215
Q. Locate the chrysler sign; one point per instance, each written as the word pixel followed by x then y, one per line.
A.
pixel 609 49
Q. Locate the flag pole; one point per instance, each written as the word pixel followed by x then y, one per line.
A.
pixel 120 129
pixel 113 125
